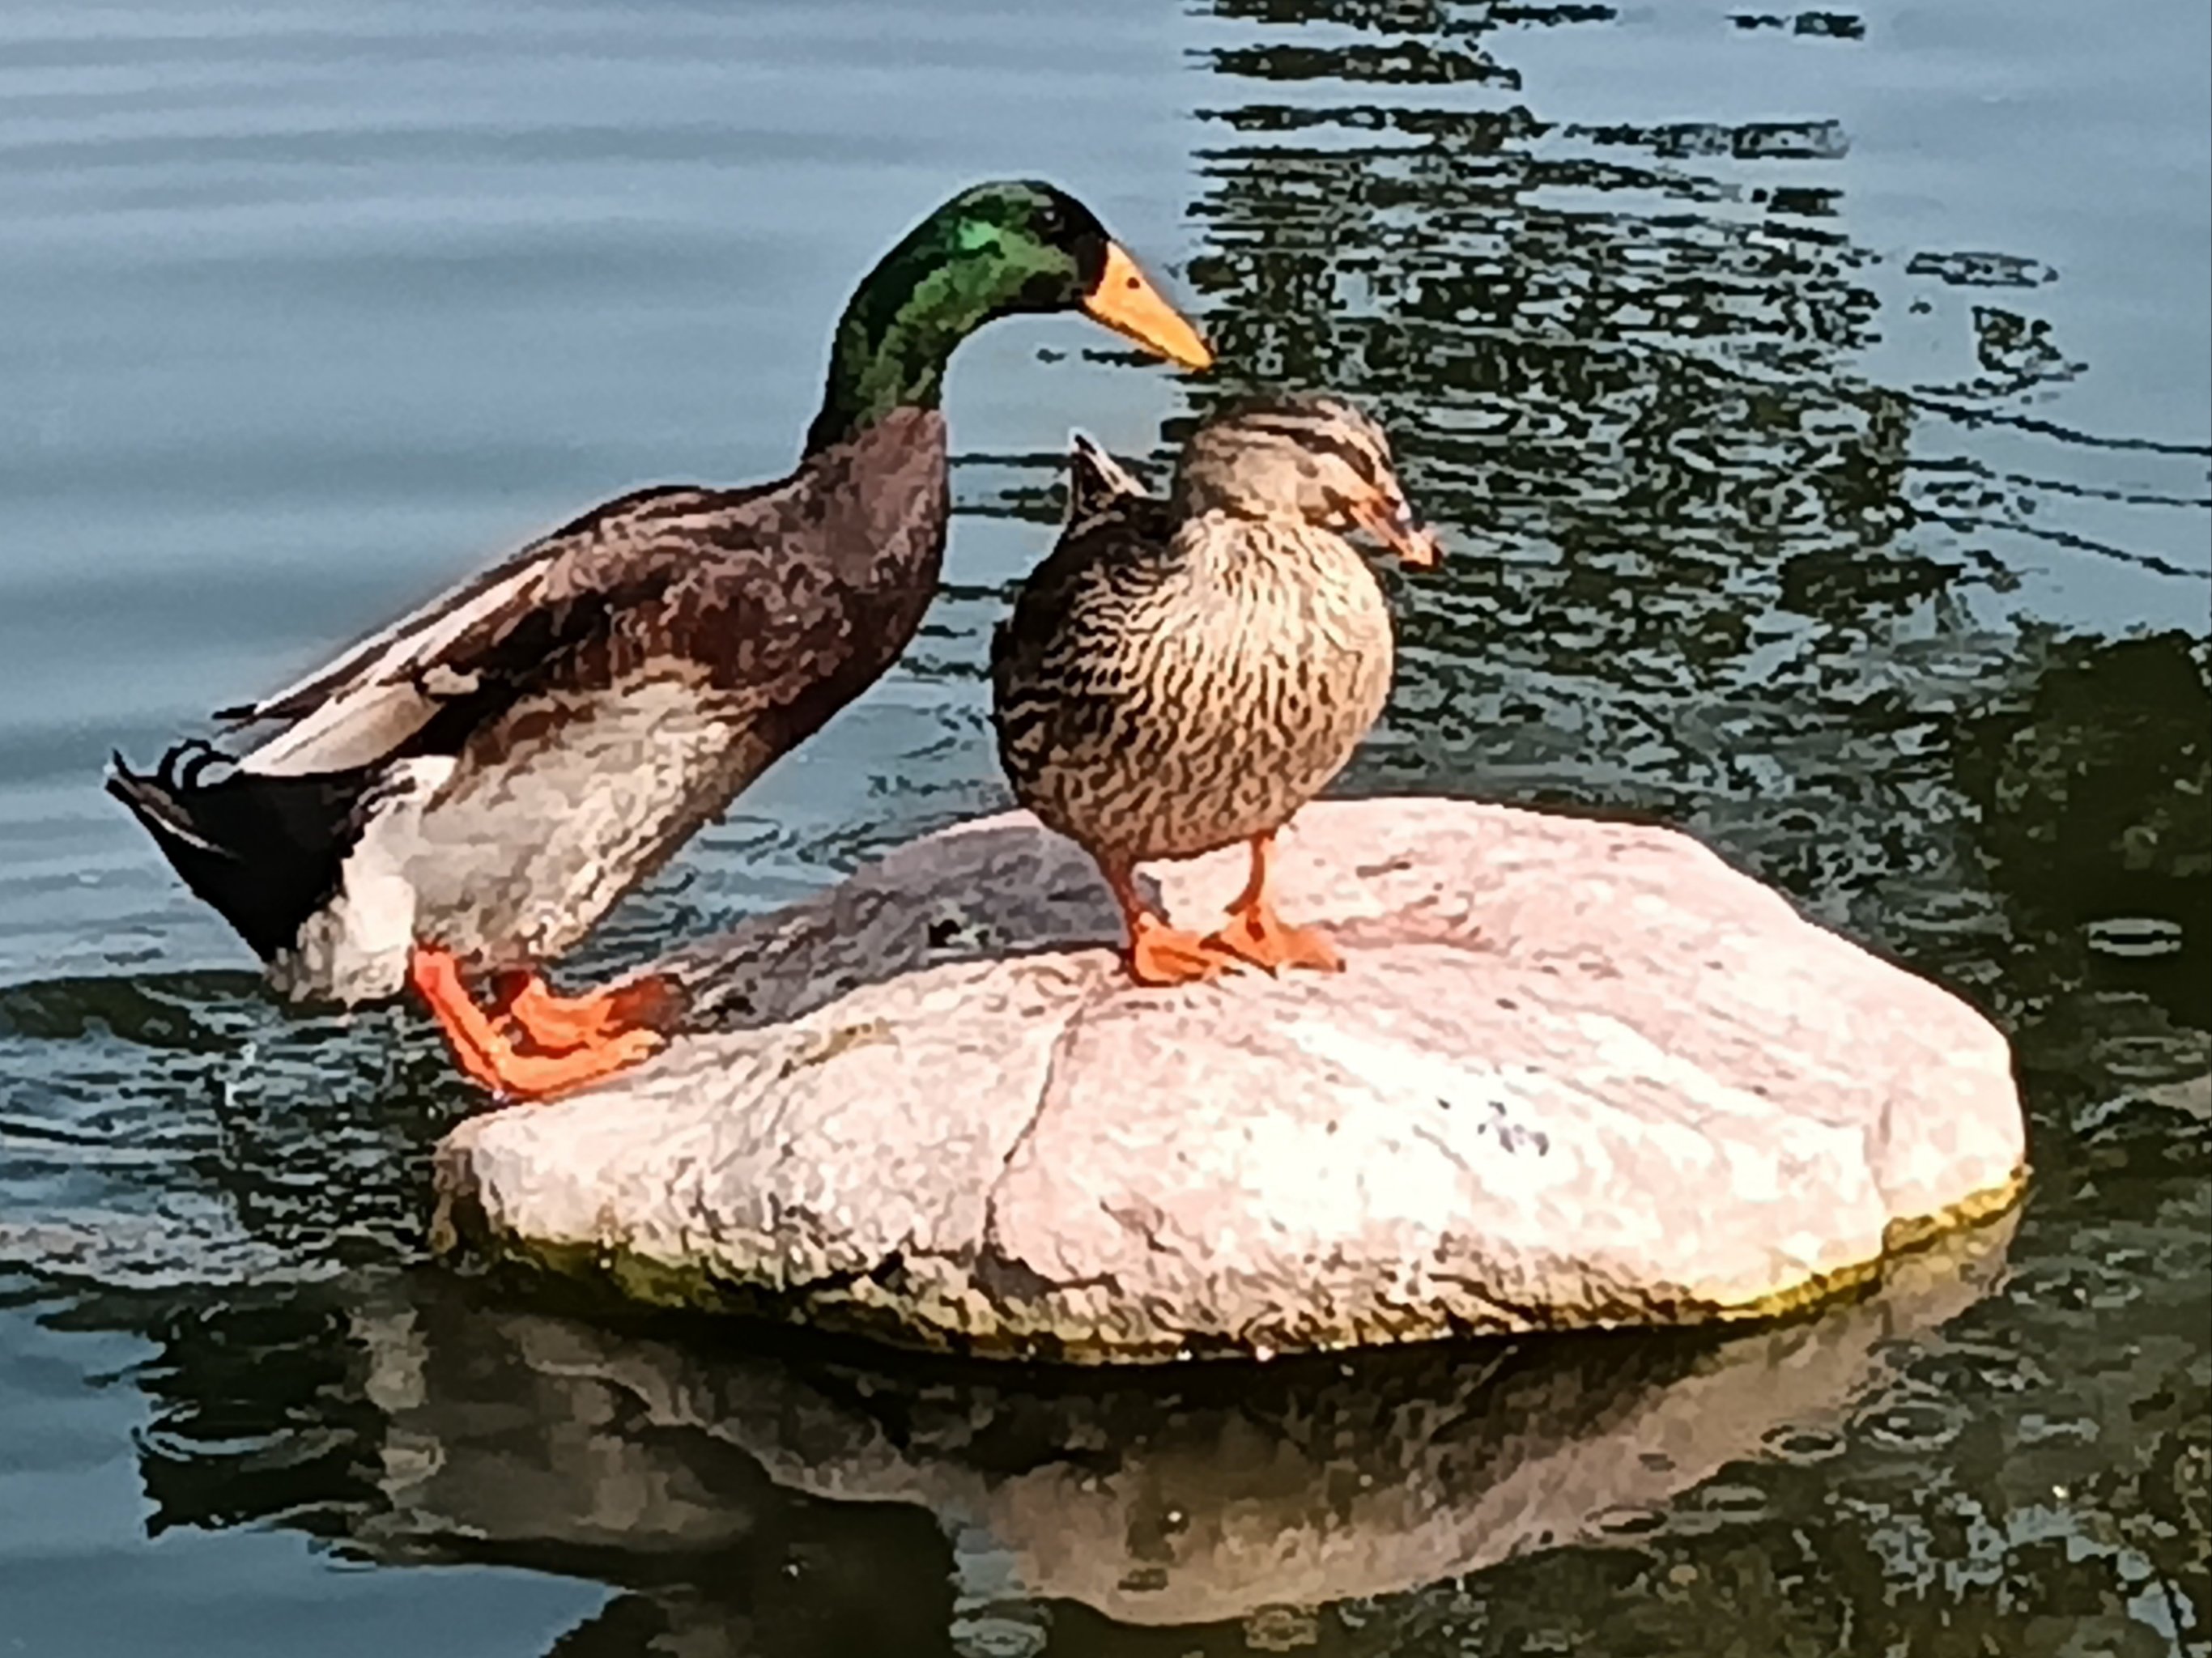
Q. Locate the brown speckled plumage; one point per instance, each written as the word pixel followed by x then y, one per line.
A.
pixel 1180 675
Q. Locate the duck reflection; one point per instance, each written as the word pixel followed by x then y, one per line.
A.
pixel 752 1495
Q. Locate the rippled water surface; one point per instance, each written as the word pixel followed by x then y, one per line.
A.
pixel 1820 403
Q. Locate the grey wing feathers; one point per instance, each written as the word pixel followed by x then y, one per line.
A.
pixel 1064 632
pixel 569 561
pixel 502 624
pixel 1104 499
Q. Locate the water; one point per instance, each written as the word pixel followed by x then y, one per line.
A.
pixel 1820 406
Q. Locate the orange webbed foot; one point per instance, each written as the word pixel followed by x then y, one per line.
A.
pixel 1161 955
pixel 535 1078
pixel 561 1024
pixel 1158 953
pixel 487 1051
pixel 1256 934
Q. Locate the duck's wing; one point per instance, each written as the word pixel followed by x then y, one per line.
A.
pixel 1097 484
pixel 1065 632
pixel 502 625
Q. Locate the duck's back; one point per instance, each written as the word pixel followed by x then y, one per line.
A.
pixel 578 715
pixel 1160 691
pixel 629 743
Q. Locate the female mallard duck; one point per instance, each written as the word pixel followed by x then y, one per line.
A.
pixel 1180 676
pixel 472 789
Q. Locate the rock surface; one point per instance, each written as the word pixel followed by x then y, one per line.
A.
pixel 1576 1073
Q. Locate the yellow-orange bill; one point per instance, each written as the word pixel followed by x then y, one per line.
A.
pixel 1412 541
pixel 1125 299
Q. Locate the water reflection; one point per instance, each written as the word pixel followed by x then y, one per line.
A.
pixel 745 1497
pixel 1767 524
pixel 1714 570
pixel 2092 784
pixel 749 1500
pixel 177 1132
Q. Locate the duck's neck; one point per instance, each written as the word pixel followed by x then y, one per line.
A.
pixel 896 338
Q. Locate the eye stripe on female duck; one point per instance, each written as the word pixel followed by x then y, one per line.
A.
pixel 1180 675
pixel 470 790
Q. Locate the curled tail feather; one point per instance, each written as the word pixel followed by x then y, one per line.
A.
pixel 265 852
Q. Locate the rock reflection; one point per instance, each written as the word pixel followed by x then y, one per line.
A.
pixel 757 1501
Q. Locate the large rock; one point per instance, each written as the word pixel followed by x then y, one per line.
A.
pixel 1576 1073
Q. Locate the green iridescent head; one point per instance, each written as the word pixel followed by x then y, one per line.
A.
pixel 992 251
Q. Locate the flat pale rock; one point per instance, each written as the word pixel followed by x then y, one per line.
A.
pixel 1575 1073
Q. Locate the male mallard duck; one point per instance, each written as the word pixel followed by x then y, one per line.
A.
pixel 472 789
pixel 1180 676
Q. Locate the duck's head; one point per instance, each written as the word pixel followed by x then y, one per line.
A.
pixel 994 250
pixel 1022 246
pixel 1315 459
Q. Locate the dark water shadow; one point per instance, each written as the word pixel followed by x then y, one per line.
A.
pixel 184 1132
pixel 747 1495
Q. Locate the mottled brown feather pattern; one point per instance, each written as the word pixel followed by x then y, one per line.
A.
pixel 1176 677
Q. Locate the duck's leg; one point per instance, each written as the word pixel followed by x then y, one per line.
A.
pixel 1256 934
pixel 487 1052
pixel 560 1023
pixel 1159 953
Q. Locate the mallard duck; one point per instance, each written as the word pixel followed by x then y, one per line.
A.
pixel 1179 676
pixel 468 791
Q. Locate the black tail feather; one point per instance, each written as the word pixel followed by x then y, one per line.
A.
pixel 265 852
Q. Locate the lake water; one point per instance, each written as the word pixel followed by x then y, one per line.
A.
pixel 1819 407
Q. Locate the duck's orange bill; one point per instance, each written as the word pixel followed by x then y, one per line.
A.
pixel 1403 533
pixel 1125 299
